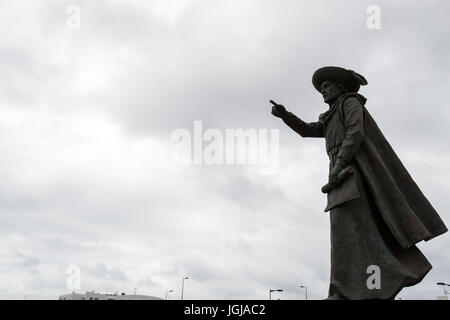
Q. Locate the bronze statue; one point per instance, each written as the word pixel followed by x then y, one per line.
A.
pixel 377 211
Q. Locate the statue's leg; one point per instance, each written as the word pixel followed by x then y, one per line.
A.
pixel 366 260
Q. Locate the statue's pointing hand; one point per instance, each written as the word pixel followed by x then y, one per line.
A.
pixel 278 110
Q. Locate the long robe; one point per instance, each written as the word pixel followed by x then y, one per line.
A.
pixel 390 215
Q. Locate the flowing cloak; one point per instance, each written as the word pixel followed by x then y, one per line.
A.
pixel 391 214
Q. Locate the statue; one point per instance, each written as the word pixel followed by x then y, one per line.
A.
pixel 377 211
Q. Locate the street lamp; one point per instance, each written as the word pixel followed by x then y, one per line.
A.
pixel 273 290
pixel 306 291
pixel 443 286
pixel 182 287
pixel 167 292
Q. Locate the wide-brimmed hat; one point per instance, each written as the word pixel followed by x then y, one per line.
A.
pixel 349 78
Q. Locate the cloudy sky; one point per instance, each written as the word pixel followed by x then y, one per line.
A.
pixel 87 113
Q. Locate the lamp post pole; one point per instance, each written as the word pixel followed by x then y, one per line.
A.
pixel 306 291
pixel 167 293
pixel 443 287
pixel 273 290
pixel 182 287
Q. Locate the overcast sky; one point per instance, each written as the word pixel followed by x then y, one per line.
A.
pixel 86 118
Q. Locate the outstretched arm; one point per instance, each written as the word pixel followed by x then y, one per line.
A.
pixel 312 129
pixel 305 129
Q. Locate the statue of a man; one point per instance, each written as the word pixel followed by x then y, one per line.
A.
pixel 377 211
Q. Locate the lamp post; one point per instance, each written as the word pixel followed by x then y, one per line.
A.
pixel 443 287
pixel 167 293
pixel 182 286
pixel 273 290
pixel 306 291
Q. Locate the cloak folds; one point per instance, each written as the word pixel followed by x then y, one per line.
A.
pixel 407 213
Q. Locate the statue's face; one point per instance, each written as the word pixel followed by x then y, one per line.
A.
pixel 331 90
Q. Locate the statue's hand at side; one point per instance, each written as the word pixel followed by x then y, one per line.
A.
pixel 278 110
pixel 332 178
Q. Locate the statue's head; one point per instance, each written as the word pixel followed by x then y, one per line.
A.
pixel 332 82
pixel 331 90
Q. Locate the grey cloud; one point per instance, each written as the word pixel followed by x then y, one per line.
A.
pixel 102 271
pixel 84 183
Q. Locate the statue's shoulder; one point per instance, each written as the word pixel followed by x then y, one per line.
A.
pixel 349 101
pixel 352 97
pixel 345 99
